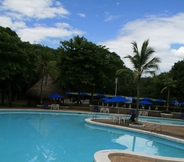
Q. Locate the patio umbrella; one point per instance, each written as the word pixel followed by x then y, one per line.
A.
pixel 55 96
pixel 174 102
pixel 100 95
pixel 147 99
pixel 144 102
pixel 104 98
pixel 159 101
pixel 83 94
pixel 117 99
pixel 68 93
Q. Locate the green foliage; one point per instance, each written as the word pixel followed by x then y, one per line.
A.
pixel 15 62
pixel 177 73
pixel 126 82
pixel 142 63
pixel 86 66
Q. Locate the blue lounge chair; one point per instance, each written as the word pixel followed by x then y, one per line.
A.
pixel 46 106
pixel 182 115
pixel 95 108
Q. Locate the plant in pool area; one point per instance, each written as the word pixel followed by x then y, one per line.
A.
pixel 142 63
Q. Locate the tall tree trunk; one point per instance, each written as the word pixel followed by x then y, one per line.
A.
pixel 41 89
pixel 168 94
pixel 2 94
pixel 138 95
pixel 9 94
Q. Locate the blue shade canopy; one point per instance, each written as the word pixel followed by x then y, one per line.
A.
pixel 159 101
pixel 104 98
pixel 144 102
pixel 174 102
pixel 83 94
pixel 100 95
pixel 118 99
pixel 55 95
pixel 68 93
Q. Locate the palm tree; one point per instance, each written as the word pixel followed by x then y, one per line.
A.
pixel 142 63
pixel 168 83
pixel 46 65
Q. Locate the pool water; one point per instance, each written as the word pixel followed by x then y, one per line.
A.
pixel 164 121
pixel 65 137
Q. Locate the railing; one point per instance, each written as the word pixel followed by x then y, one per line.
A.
pixel 92 116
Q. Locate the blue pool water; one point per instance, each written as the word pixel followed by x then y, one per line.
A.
pixel 164 121
pixel 28 136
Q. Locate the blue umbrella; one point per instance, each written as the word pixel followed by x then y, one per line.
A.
pixel 117 99
pixel 159 100
pixel 104 98
pixel 68 93
pixel 174 102
pixel 100 95
pixel 147 99
pixel 83 94
pixel 144 102
pixel 55 95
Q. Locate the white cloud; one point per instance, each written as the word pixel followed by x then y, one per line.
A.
pixel 112 17
pixel 178 52
pixel 81 14
pixel 40 33
pixel 7 22
pixel 19 14
pixel 161 31
pixel 35 8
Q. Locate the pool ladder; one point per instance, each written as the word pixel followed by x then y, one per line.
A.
pixel 155 126
pixel 92 116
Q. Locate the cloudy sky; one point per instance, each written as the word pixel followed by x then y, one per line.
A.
pixel 112 23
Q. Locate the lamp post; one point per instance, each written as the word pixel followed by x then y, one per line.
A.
pixel 116 84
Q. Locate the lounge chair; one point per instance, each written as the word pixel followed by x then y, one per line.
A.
pixel 95 108
pixel 140 112
pixel 46 106
pixel 182 115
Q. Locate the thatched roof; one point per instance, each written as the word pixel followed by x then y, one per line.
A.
pixel 48 88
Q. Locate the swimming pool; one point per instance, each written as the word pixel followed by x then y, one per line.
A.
pixel 163 121
pixel 45 136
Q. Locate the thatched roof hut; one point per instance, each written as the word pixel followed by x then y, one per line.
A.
pixel 49 87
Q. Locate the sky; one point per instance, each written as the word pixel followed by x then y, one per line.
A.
pixel 113 23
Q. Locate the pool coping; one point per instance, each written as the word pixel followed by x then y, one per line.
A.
pixel 103 155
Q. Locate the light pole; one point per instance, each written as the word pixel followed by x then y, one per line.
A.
pixel 116 84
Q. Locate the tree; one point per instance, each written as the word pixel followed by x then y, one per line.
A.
pixel 142 63
pixel 126 81
pixel 168 83
pixel 86 66
pixel 177 74
pixel 46 65
pixel 14 62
